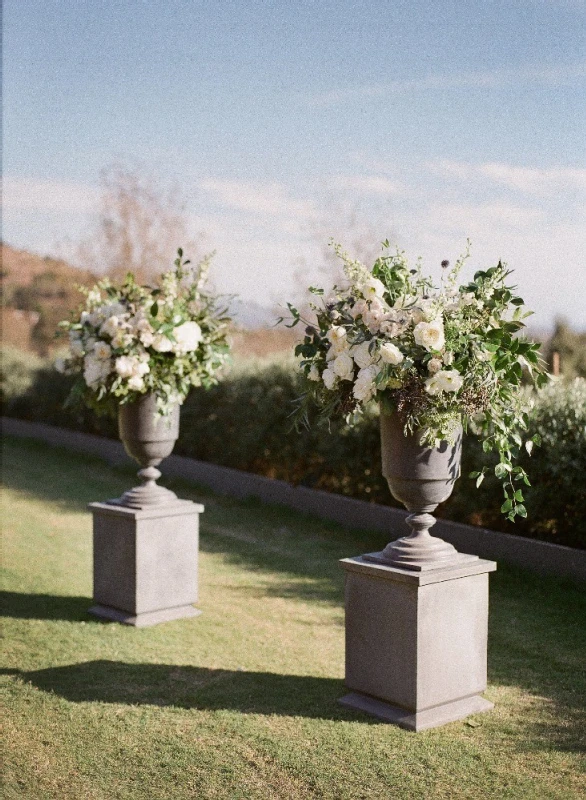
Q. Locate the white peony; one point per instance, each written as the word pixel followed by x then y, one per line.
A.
pixel 372 287
pixel 430 335
pixel 162 343
pixel 390 353
pixel 364 387
pixel 343 367
pixel 187 337
pixel 102 350
pixel 434 365
pixel 361 355
pixel 446 380
pixel 313 374
pixel 329 377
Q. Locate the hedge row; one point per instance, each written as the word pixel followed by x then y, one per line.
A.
pixel 244 423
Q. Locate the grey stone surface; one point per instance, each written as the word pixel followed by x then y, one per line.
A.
pixel 417 640
pixel 145 561
pixel 144 620
pixel 418 720
pixel 530 554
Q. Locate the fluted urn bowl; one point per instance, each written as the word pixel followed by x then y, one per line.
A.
pixel 420 477
pixel 148 437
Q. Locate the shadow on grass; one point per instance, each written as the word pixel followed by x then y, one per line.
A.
pixel 193 688
pixel 46 606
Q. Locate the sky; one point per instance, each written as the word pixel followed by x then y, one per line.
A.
pixel 428 123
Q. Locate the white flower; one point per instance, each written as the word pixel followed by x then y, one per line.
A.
pixel 359 308
pixel 446 380
pixel 329 377
pixel 425 311
pixel 364 388
pixel 448 358
pixel 335 333
pixel 430 335
pixel 102 350
pixel 361 355
pixel 483 355
pixel 95 371
pixel 313 373
pixel 187 338
pixel 75 344
pixel 111 326
pixel 343 367
pixel 136 382
pixel 162 344
pixel 121 339
pixel 390 353
pixel 372 287
pixel 131 366
pixel 434 365
pixel 60 365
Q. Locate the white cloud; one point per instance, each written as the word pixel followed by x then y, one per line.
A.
pixel 368 185
pixel 28 194
pixel 271 199
pixel 548 76
pixel 542 182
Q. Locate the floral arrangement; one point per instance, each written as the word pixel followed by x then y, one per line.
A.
pixel 129 340
pixel 439 357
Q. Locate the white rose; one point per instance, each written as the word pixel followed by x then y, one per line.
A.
pixel 434 365
pixel 361 355
pixel 111 326
pixel 162 344
pixel 390 353
pixel 329 378
pixel 313 373
pixel 446 380
pixel 343 367
pixel 364 388
pixel 430 334
pixel 336 333
pixel 136 382
pixel 372 287
pixel 102 350
pixel 187 337
pixel 125 365
pixel 426 310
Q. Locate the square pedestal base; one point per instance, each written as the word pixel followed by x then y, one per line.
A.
pixel 146 619
pixel 418 720
pixel 416 641
pixel 145 562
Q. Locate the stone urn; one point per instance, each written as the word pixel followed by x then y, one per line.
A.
pixel 148 437
pixel 420 477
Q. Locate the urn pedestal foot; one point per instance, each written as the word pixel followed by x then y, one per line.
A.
pixel 416 641
pixel 145 562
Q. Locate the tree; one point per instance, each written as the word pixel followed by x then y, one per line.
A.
pixel 571 347
pixel 141 224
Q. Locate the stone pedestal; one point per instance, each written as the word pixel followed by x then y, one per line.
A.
pixel 145 562
pixel 416 641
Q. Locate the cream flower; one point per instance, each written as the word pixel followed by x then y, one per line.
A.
pixel 187 337
pixel 430 335
pixel 162 343
pixel 390 353
pixel 359 308
pixel 361 354
pixel 136 382
pixel 446 380
pixel 329 378
pixel 434 365
pixel 364 388
pixel 372 287
pixel 102 350
pixel 111 326
pixel 343 367
pixel 95 371
pixel 313 374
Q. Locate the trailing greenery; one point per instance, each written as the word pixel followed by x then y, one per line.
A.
pixel 244 422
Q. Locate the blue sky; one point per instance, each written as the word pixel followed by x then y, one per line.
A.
pixel 428 122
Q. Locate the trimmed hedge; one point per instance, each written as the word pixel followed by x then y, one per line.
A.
pixel 244 423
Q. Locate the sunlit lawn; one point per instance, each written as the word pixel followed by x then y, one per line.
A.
pixel 241 701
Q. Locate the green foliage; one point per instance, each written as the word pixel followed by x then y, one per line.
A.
pixel 245 422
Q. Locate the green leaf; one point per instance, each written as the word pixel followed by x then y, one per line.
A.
pixel 506 506
pixel 519 496
pixel 315 290
pixel 154 309
pixel 501 470
pixel 521 510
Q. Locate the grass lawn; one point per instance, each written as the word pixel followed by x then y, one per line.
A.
pixel 241 701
